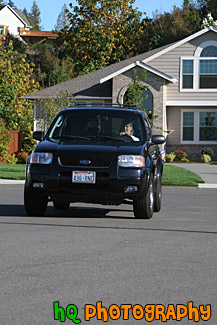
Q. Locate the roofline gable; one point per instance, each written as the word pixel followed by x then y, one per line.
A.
pixel 141 65
pixel 16 14
pixel 181 42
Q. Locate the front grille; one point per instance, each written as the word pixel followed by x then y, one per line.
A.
pixel 77 161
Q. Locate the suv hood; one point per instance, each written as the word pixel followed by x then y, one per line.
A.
pixel 58 149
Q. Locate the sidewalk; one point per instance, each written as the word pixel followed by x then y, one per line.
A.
pixel 208 172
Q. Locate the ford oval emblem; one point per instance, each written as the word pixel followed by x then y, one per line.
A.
pixel 85 162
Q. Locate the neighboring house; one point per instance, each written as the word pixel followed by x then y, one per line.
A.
pixel 182 81
pixel 11 20
pixel 15 22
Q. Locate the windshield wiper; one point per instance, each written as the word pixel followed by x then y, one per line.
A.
pixel 108 138
pixel 70 137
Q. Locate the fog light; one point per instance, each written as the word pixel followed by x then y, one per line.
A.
pixel 131 189
pixel 38 185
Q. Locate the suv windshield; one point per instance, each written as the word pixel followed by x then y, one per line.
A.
pixel 97 125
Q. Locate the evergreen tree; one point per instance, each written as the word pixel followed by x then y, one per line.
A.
pixel 2 3
pixel 11 4
pixel 34 16
pixel 62 20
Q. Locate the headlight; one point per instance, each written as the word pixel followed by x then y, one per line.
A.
pixel 131 161
pixel 41 158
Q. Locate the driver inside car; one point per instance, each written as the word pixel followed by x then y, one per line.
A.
pixel 128 130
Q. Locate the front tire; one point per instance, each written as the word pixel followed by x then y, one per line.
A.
pixel 144 208
pixel 35 205
pixel 158 194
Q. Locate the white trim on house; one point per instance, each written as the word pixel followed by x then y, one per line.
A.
pixel 200 48
pixel 191 103
pixel 141 65
pixel 17 16
pixel 179 43
pixel 196 126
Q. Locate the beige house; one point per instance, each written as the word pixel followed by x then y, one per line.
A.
pixel 182 81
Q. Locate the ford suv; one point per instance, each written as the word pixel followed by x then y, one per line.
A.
pixel 101 155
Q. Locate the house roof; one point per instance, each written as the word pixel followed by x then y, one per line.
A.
pixel 22 16
pixel 91 81
pixel 78 85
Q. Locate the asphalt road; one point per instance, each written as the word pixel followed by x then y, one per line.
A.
pixel 90 254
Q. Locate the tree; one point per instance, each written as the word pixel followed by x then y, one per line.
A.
pixel 33 16
pixel 206 7
pixel 170 27
pixel 11 4
pixel 2 3
pixel 49 68
pixel 136 88
pixel 101 33
pixel 62 20
pixel 50 106
pixel 15 82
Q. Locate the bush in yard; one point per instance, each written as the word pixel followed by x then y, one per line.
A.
pixel 185 159
pixel 5 139
pixel 206 158
pixel 11 159
pixel 207 151
pixel 180 154
pixel 22 157
pixel 170 157
pixel 28 143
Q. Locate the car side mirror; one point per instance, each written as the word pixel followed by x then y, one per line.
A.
pixel 158 139
pixel 38 135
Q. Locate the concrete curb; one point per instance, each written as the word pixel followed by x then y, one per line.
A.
pixel 206 185
pixel 11 182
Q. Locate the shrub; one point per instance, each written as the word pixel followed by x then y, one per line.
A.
pixel 170 157
pixel 185 159
pixel 207 151
pixel 28 143
pixel 206 158
pixel 11 159
pixel 180 154
pixel 5 139
pixel 22 157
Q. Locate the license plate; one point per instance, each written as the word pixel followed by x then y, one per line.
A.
pixel 84 177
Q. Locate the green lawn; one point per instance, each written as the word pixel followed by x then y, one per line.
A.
pixel 172 175
pixel 12 171
pixel 178 176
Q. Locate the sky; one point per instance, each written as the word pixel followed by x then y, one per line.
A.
pixel 50 9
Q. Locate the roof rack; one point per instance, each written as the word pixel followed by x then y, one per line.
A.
pixel 126 106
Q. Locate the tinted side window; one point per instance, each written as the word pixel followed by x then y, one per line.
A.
pixel 148 128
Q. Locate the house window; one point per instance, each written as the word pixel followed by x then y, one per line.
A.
pixel 208 74
pixel 208 126
pixel 1 30
pixel 199 126
pixel 188 126
pixel 199 73
pixel 187 70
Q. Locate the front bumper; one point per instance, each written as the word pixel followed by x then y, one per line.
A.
pixel 110 186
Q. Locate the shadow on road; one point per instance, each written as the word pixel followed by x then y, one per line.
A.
pixel 78 212
pixel 72 212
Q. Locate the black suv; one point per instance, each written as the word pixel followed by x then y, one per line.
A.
pixel 105 155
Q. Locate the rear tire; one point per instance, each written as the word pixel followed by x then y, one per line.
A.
pixel 158 194
pixel 144 208
pixel 61 206
pixel 35 205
